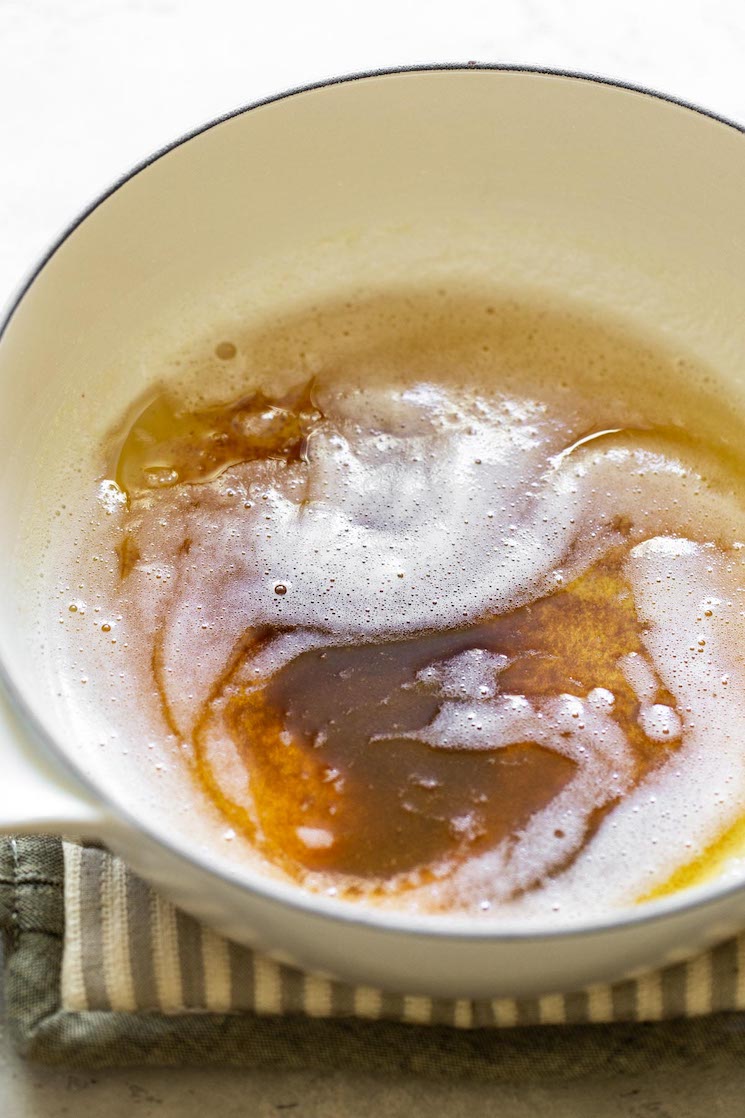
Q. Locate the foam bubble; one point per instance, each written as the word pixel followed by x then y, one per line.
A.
pixel 660 722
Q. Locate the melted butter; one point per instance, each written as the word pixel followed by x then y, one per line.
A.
pixel 707 865
pixel 168 444
pixel 340 773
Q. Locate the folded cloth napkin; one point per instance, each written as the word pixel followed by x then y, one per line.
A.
pixel 100 970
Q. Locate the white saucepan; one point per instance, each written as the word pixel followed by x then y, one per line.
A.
pixel 614 196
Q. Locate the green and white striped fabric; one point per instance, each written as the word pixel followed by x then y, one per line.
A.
pixel 126 949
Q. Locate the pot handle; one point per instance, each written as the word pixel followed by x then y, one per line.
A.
pixel 37 795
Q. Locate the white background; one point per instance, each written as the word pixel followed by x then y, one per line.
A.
pixel 89 87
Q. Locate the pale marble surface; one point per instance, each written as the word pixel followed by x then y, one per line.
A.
pixel 28 1092
pixel 88 87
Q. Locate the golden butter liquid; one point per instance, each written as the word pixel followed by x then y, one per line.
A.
pixel 440 593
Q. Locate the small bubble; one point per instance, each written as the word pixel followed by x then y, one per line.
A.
pixel 280 588
pixel 105 628
pixel 226 351
pixel 159 477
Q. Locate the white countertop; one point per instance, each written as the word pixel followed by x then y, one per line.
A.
pixel 89 87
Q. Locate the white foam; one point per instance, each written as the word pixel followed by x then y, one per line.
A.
pixel 471 674
pixel 440 505
pixel 315 838
pixel 681 808
pixel 640 675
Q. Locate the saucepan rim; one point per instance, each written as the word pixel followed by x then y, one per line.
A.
pixel 288 894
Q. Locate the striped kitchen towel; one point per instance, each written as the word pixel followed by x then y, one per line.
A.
pixel 102 970
pixel 127 948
